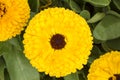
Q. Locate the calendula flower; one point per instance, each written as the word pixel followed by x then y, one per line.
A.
pixel 13 17
pixel 57 41
pixel 107 67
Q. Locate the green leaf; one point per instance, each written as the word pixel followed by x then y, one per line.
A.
pixel 73 5
pixel 1 47
pixel 81 74
pixel 96 41
pixel 99 3
pixel 18 66
pixel 108 28
pixel 6 75
pixel 2 67
pixel 73 76
pixel 105 47
pixel 32 14
pixel 111 12
pixel 85 14
pixel 34 5
pixel 81 77
pixel 114 44
pixel 95 53
pixel 97 17
pixel 117 3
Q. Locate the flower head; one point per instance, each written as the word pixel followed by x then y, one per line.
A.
pixel 107 67
pixel 13 17
pixel 57 41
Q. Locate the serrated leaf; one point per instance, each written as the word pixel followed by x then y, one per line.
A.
pixel 97 17
pixel 18 66
pixel 85 14
pixel 108 28
pixel 73 76
pixel 2 67
pixel 117 3
pixel 99 3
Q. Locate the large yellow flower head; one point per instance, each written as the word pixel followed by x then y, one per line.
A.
pixel 13 17
pixel 107 67
pixel 57 41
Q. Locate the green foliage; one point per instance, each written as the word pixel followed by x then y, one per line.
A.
pixel 96 52
pixel 85 14
pixel 114 13
pixel 108 28
pixel 73 5
pixel 103 17
pixel 6 76
pixel 17 65
pixel 97 17
pixel 1 48
pixel 32 14
pixel 73 76
pixel 34 5
pixel 99 3
pixel 117 3
pixel 2 67
pixel 114 44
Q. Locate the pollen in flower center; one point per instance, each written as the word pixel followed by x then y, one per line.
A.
pixel 58 41
pixel 2 9
pixel 115 77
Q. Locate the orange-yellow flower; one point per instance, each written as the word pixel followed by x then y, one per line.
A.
pixel 107 67
pixel 14 15
pixel 57 41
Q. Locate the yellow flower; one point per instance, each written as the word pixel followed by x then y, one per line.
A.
pixel 57 41
pixel 107 67
pixel 14 15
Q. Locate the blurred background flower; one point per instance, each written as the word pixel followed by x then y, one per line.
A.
pixel 14 16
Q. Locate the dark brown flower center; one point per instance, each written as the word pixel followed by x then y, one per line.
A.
pixel 2 9
pixel 115 77
pixel 58 41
